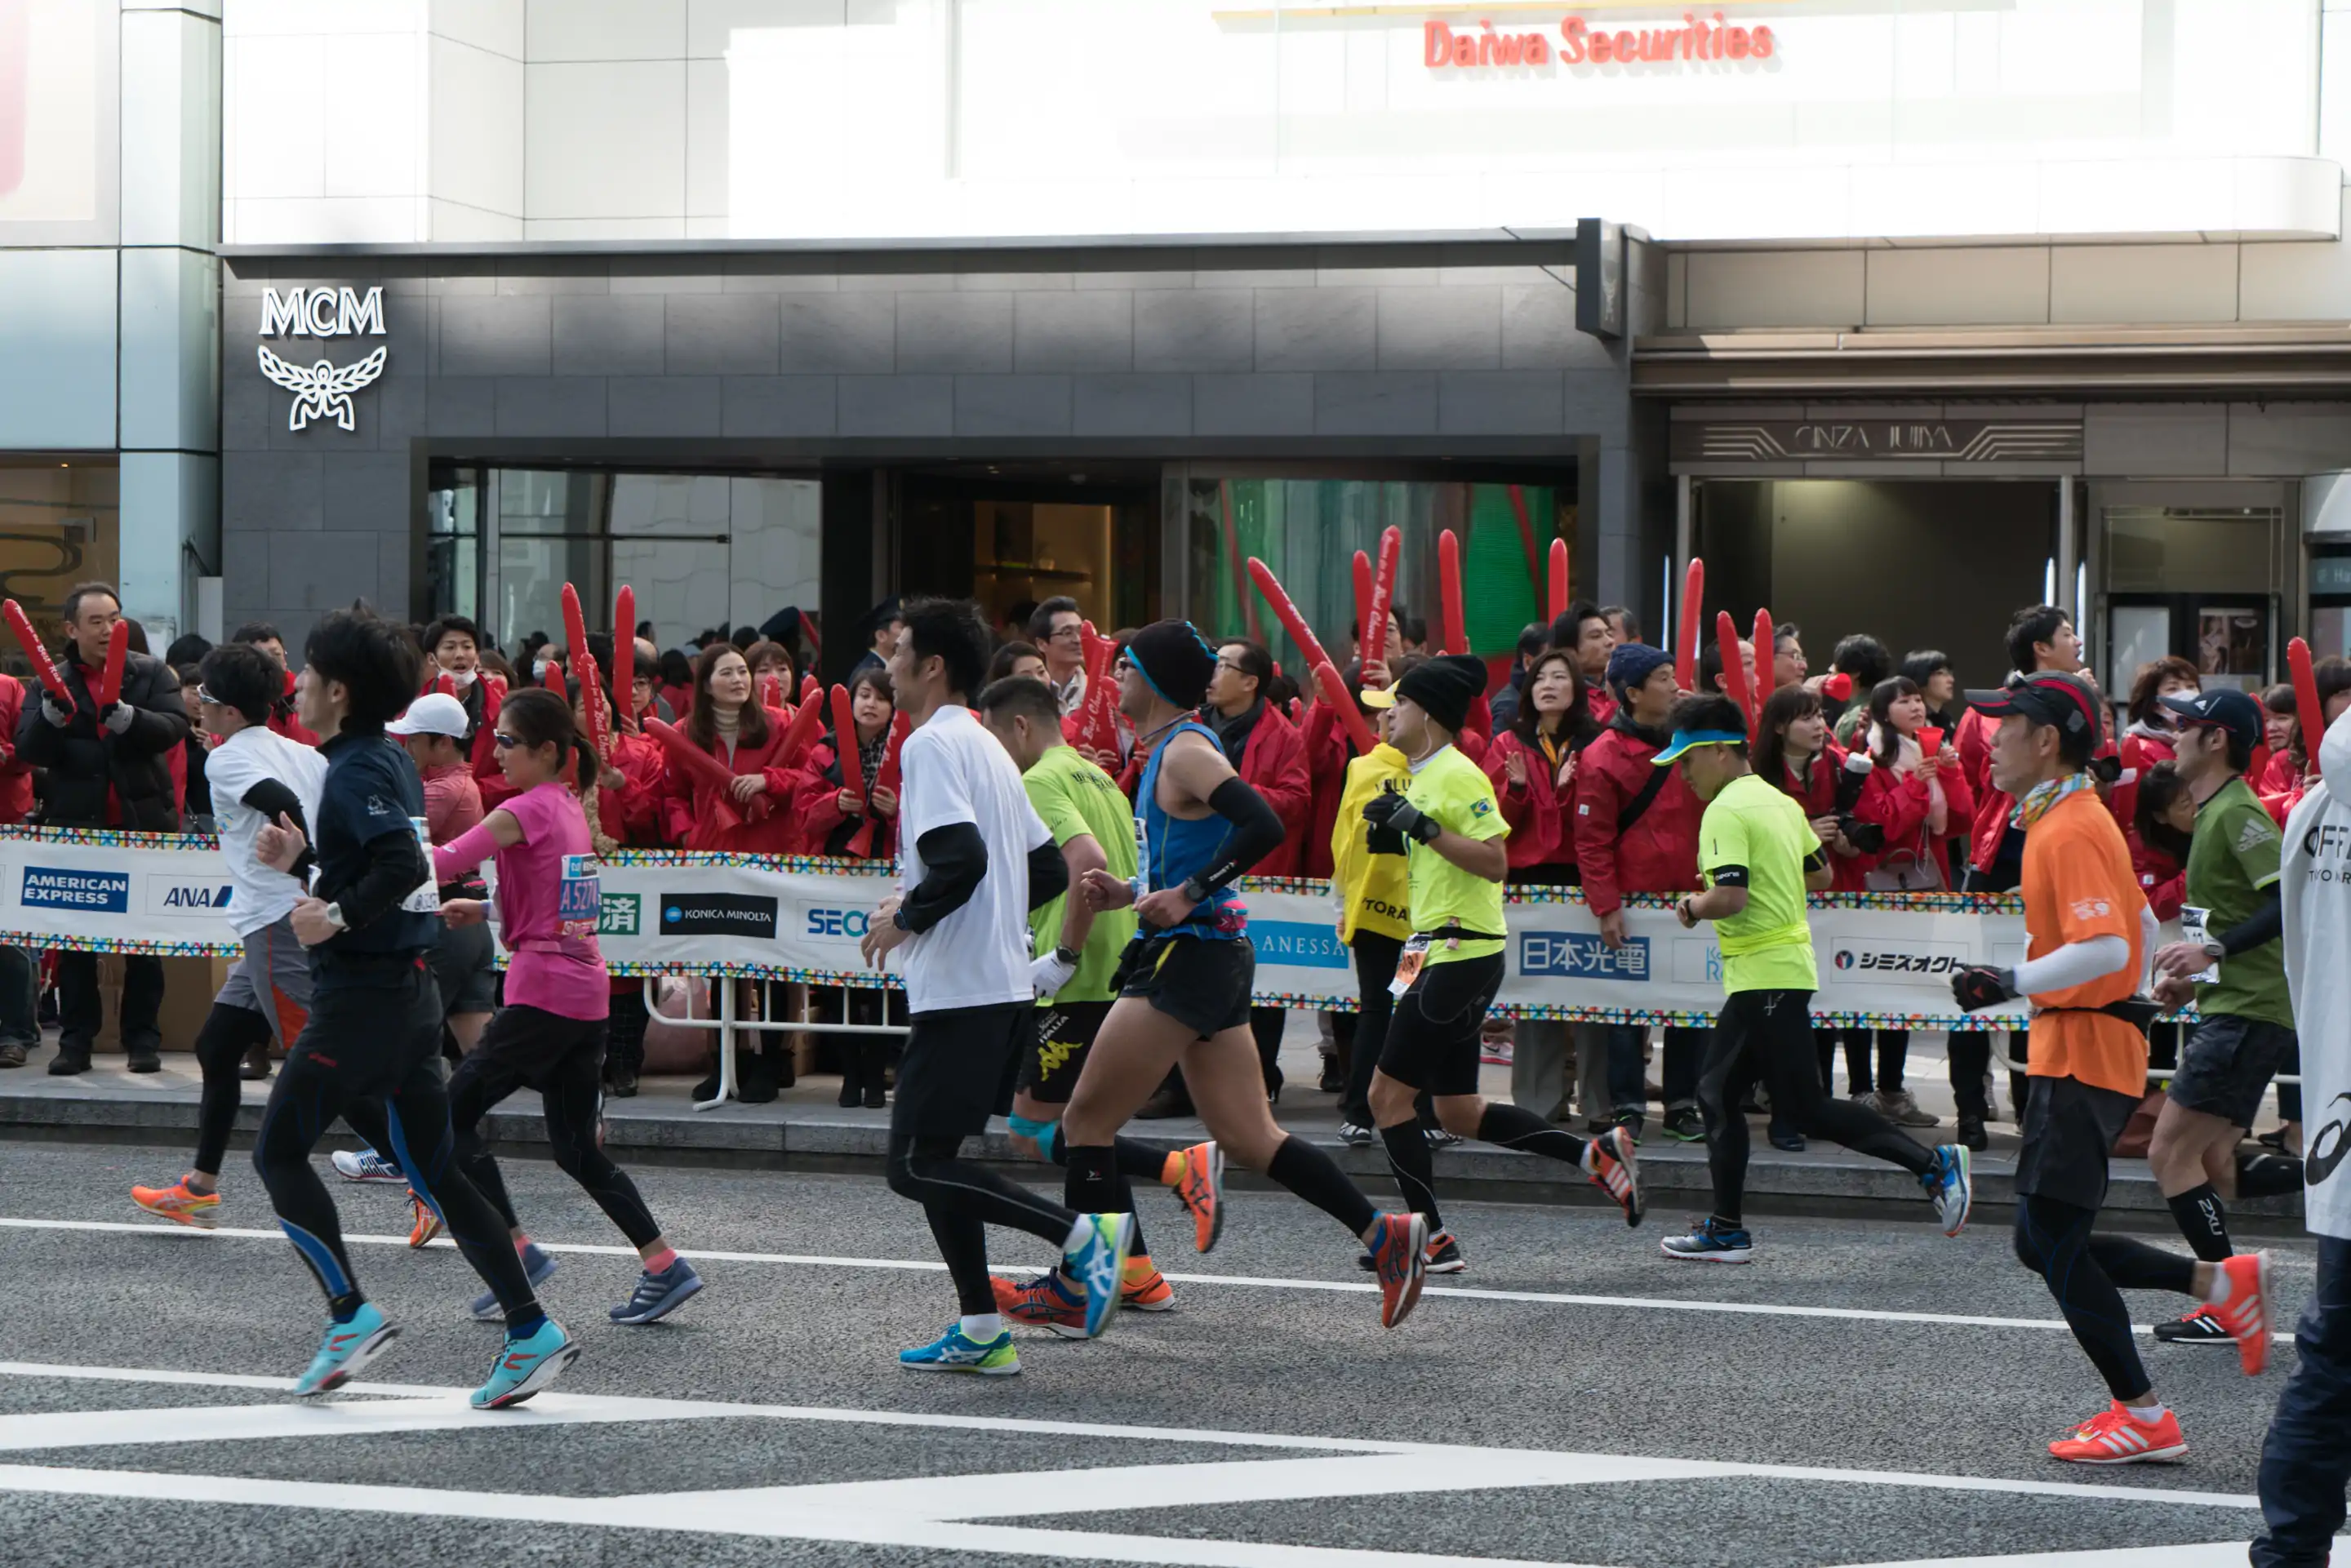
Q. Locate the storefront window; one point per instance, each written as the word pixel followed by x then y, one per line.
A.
pixel 1309 530
pixel 59 525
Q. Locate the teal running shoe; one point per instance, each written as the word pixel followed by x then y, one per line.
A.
pixel 1099 1264
pixel 951 1352
pixel 346 1348
pixel 537 1267
pixel 1950 1182
pixel 527 1363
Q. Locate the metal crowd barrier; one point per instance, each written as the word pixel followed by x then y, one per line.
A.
pixel 727 1024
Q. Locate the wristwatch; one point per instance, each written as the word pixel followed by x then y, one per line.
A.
pixel 898 918
pixel 335 917
pixel 1066 955
pixel 1195 890
pixel 2214 951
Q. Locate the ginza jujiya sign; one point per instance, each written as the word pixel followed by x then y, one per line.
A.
pixel 322 391
pixel 1446 47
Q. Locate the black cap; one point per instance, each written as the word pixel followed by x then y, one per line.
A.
pixel 2045 696
pixel 1445 686
pixel 2223 707
pixel 1175 660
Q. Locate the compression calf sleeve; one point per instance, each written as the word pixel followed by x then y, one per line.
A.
pixel 1316 1177
pixel 1415 1168
pixel 1512 1126
pixel 2204 1220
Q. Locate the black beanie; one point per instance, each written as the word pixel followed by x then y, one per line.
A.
pixel 1445 686
pixel 1175 660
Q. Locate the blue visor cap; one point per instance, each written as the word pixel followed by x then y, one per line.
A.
pixel 1687 739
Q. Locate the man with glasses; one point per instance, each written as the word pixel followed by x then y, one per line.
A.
pixel 1058 629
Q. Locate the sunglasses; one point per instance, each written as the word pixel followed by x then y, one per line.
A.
pixel 504 740
pixel 205 696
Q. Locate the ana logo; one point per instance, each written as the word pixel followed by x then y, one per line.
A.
pixel 53 887
pixel 186 897
pixel 322 391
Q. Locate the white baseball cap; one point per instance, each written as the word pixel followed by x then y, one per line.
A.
pixel 434 713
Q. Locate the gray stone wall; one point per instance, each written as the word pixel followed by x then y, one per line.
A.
pixel 1289 353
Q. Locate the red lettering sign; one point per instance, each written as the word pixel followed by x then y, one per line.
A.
pixel 1446 47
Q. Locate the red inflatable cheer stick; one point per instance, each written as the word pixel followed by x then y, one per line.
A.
pixel 592 707
pixel 2309 714
pixel 1559 578
pixel 1287 613
pixel 1734 672
pixel 446 683
pixel 1374 634
pixel 860 842
pixel 624 636
pixel 1342 703
pixel 1760 686
pixel 705 769
pixel 771 691
pixel 118 649
pixel 1094 727
pixel 1685 645
pixel 844 743
pixel 575 625
pixel 43 666
pixel 1448 584
pixel 553 677
pixel 811 688
pixel 806 721
pixel 1363 594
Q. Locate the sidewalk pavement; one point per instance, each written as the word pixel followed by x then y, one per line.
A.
pixel 804 1127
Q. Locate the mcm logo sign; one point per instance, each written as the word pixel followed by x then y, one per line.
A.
pixel 321 391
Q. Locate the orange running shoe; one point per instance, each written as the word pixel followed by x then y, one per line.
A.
pixel 1046 1301
pixel 175 1203
pixel 1201 1189
pixel 2115 1437
pixel 1144 1289
pixel 2246 1313
pixel 423 1224
pixel 1613 1172
pixel 1400 1258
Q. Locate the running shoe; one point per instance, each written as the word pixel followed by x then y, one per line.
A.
pixel 1712 1241
pixel 2197 1325
pixel 1098 1264
pixel 424 1223
pixel 526 1364
pixel 2246 1313
pixel 1438 1138
pixel 1146 1288
pixel 2115 1437
pixel 1046 1301
pixel 1613 1172
pixel 1444 1256
pixel 536 1266
pixel 1201 1189
pixel 658 1295
pixel 951 1352
pixel 1400 1258
pixel 346 1348
pixel 1949 1183
pixel 176 1203
pixel 1356 1136
pixel 366 1164
pixel 1686 1126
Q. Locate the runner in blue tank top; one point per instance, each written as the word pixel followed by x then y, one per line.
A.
pixel 1184 995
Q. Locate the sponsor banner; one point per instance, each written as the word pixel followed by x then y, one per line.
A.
pixel 1883 960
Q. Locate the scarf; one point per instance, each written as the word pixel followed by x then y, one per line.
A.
pixel 2161 734
pixel 1233 734
pixel 869 756
pixel 2038 799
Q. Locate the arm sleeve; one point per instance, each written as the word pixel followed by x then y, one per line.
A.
pixel 1049 874
pixel 2266 924
pixel 465 852
pixel 395 868
pixel 2074 964
pixel 954 859
pixel 1723 849
pixel 1255 832
pixel 272 798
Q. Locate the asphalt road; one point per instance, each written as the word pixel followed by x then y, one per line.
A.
pixel 1574 1398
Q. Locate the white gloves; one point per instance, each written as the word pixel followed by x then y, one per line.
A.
pixel 55 712
pixel 117 718
pixel 1048 973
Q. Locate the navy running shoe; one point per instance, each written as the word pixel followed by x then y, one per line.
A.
pixel 658 1295
pixel 537 1267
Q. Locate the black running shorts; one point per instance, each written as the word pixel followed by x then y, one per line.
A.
pixel 1432 1041
pixel 1065 1032
pixel 957 1061
pixel 1201 983
pixel 465 967
pixel 2227 1064
pixel 2069 1128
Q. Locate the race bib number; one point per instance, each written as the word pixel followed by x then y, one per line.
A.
pixel 579 903
pixel 2194 925
pixel 426 899
pixel 1416 954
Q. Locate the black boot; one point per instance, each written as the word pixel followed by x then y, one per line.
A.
pixel 755 1083
pixel 874 1053
pixel 852 1074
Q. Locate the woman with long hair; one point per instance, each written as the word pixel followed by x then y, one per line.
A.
pixel 1532 765
pixel 1939 683
pixel 2149 735
pixel 549 1035
pixel 773 661
pixel 830 818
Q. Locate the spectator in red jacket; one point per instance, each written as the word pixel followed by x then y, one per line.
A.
pixel 2284 770
pixel 2150 737
pixel 1533 764
pixel 1636 832
pixel 829 815
pixel 1583 631
pixel 1266 750
pixel 727 724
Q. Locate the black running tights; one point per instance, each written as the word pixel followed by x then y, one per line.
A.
pixel 2083 1270
pixel 961 1200
pixel 227 1034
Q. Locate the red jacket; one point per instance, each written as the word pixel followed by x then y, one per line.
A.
pixel 1537 811
pixel 1659 853
pixel 1273 764
pixel 15 777
pixel 824 829
pixel 2162 878
pixel 2139 755
pixel 1816 791
pixel 486 771
pixel 630 816
pixel 1324 744
pixel 767 826
pixel 282 720
pixel 1901 804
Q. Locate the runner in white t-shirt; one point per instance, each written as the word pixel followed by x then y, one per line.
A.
pixel 256 774
pixel 976 859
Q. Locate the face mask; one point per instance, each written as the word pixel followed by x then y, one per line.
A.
pixel 461 679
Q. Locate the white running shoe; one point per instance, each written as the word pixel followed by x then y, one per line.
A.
pixel 366 1164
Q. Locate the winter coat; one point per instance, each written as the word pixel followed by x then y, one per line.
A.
pixel 1537 811
pixel 824 828
pixel 96 777
pixel 1815 791
pixel 1273 763
pixel 1901 802
pixel 1660 853
pixel 768 827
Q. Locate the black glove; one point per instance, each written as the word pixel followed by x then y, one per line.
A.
pixel 1396 811
pixel 1982 985
pixel 1387 841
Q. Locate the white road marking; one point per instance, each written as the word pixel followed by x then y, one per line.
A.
pixel 1257 1282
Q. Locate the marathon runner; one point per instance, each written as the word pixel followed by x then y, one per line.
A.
pixel 1186 980
pixel 2087 931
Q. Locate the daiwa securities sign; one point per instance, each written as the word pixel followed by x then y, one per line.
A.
pixel 1449 46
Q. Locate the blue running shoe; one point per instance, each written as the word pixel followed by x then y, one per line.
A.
pixel 658 1295
pixel 1710 1241
pixel 951 1352
pixel 346 1348
pixel 365 1164
pixel 526 1364
pixel 1099 1263
pixel 1950 1184
pixel 537 1267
